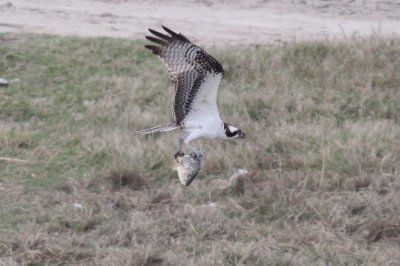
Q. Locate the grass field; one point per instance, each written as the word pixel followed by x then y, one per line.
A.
pixel 322 155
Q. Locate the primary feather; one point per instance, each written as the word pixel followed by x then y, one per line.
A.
pixel 193 71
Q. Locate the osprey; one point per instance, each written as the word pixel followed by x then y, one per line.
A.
pixel 197 77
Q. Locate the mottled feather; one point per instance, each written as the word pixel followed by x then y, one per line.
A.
pixel 188 65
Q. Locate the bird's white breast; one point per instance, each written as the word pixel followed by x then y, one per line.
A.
pixel 205 102
pixel 203 118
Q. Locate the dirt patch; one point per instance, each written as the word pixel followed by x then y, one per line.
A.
pixel 131 180
pixel 224 23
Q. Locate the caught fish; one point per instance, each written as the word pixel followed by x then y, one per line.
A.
pixel 188 166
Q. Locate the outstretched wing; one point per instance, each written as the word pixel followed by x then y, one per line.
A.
pixel 197 75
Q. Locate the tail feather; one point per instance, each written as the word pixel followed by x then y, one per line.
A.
pixel 160 128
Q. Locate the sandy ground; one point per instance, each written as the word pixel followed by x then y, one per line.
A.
pixel 207 22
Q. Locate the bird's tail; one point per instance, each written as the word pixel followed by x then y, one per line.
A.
pixel 160 128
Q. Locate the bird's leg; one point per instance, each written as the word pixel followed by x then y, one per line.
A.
pixel 193 149
pixel 179 153
pixel 185 141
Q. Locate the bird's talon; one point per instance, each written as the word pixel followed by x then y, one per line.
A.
pixel 179 154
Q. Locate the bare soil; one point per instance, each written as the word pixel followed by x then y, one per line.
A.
pixel 207 22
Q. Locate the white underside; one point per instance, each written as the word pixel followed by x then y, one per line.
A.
pixel 209 128
pixel 204 121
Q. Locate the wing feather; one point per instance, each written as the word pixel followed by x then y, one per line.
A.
pixel 155 49
pixel 189 66
pixel 159 41
pixel 160 35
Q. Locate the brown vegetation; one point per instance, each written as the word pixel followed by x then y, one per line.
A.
pixel 322 157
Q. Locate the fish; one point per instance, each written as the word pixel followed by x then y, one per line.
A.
pixel 188 166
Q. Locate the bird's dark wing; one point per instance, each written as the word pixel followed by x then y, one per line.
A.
pixel 197 75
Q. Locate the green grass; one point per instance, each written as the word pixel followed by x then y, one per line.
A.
pixel 322 154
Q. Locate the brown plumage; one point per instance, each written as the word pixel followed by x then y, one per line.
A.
pixel 188 65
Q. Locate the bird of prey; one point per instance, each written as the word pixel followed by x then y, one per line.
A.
pixel 197 77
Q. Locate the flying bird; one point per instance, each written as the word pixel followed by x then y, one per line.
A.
pixel 197 78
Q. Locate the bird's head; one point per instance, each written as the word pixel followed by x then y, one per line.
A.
pixel 233 132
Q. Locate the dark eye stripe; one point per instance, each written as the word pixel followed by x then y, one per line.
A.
pixel 230 134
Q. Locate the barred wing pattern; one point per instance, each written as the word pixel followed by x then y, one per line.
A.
pixel 192 69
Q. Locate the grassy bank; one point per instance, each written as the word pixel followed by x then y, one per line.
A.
pixel 322 156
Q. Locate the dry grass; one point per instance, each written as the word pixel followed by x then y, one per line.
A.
pixel 322 157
